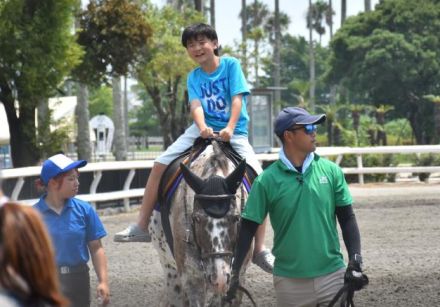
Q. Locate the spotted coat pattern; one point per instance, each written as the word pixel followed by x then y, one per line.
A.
pixel 189 280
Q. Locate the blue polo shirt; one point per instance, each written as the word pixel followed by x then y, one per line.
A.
pixel 71 230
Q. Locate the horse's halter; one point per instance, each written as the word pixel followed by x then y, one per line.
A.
pixel 213 200
pixel 210 210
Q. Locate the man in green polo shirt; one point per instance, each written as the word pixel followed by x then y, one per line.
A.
pixel 303 194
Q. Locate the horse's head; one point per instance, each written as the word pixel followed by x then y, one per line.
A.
pixel 215 220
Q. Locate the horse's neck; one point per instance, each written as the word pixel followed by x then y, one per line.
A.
pixel 212 162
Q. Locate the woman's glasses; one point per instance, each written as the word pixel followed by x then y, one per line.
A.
pixel 309 129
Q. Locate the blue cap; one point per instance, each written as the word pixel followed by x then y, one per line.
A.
pixel 295 116
pixel 58 164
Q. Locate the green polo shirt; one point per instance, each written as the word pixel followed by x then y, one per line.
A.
pixel 302 213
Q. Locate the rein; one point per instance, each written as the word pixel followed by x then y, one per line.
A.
pixel 346 294
pixel 245 291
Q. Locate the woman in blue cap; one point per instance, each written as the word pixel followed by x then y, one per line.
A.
pixel 75 229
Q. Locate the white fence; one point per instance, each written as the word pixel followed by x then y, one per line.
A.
pixel 126 193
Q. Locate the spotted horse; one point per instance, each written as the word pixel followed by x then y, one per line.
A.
pixel 196 227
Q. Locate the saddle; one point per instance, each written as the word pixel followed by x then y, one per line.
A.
pixel 172 177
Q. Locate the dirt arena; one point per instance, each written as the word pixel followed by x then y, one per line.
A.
pixel 400 231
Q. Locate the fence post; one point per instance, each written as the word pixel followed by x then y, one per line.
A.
pixel 127 184
pixel 360 167
pixel 17 188
pixel 94 185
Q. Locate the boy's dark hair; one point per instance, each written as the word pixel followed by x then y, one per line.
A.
pixel 199 29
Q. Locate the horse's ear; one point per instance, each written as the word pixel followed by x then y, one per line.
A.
pixel 194 181
pixel 234 179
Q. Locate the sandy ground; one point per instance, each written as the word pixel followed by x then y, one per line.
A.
pixel 400 230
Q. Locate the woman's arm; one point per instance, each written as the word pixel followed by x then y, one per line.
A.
pixel 99 261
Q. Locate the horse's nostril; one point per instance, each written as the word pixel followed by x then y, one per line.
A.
pixel 228 278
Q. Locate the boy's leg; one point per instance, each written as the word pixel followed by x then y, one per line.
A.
pixel 261 255
pixel 138 232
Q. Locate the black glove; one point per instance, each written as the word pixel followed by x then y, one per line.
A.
pixel 233 287
pixel 354 277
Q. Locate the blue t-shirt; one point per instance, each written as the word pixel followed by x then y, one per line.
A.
pixel 72 230
pixel 215 92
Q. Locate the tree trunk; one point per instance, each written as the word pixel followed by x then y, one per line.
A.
pixel 312 63
pixel 212 13
pixel 43 125
pixel 198 5
pixel 343 11
pixel 127 130
pixel 120 147
pixel 329 132
pixel 163 114
pixel 276 55
pixel 244 36
pixel 367 5
pixel 330 24
pixel 24 152
pixel 82 123
pixel 437 120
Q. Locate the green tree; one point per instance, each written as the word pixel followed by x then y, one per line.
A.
pixel 295 73
pixel 257 18
pixel 164 68
pixel 100 101
pixel 392 54
pixel 37 52
pixel 114 34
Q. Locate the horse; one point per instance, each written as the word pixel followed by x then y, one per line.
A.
pixel 196 230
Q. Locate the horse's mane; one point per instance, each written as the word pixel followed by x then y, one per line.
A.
pixel 216 161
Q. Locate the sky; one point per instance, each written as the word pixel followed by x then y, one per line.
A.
pixel 228 23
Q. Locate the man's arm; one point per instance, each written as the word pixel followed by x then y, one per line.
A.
pixel 350 230
pixel 227 132
pixel 247 232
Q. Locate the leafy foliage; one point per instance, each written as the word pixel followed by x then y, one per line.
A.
pixel 37 52
pixel 164 67
pixel 392 54
pixel 113 33
pixel 100 101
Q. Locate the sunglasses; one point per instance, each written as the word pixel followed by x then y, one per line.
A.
pixel 309 129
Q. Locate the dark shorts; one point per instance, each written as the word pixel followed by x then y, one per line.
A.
pixel 75 284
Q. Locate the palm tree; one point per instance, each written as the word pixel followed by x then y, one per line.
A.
pixel 257 15
pixel 329 17
pixel 312 59
pixel 243 15
pixel 356 110
pixel 276 53
pixel 198 5
pixel 82 113
pixel 436 101
pixel 367 5
pixel 212 13
pixel 343 11
pixel 331 111
pixel 381 110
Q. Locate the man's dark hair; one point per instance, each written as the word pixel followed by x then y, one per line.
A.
pixel 199 29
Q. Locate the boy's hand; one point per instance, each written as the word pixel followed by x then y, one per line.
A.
pixel 226 134
pixel 207 132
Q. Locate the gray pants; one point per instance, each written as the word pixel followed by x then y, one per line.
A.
pixel 308 292
pixel 76 288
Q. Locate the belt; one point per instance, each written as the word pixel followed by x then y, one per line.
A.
pixel 81 268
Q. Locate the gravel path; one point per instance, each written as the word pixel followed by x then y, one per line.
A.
pixel 400 230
